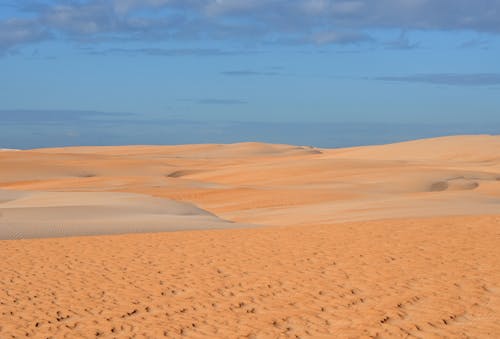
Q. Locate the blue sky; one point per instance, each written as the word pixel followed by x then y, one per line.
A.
pixel 387 61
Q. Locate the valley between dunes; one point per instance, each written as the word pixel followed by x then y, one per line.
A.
pixel 252 240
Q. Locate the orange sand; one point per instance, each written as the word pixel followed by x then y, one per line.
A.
pixel 382 241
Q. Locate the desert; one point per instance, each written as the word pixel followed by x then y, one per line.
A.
pixel 249 169
pixel 252 240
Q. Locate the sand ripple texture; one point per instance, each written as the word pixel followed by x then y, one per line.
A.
pixel 423 278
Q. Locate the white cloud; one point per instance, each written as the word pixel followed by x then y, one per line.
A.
pixel 318 21
pixel 17 31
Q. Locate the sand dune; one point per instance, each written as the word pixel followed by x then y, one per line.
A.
pixel 63 214
pixel 381 241
pixel 281 184
pixel 464 148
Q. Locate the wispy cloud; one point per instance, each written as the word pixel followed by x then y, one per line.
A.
pixel 246 72
pixel 340 37
pixel 303 21
pixel 216 101
pixel 165 52
pixel 54 116
pixel 452 79
pixel 475 43
pixel 403 42
pixel 14 32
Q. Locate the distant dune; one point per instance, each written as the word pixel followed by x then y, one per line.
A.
pixel 396 240
pixel 263 184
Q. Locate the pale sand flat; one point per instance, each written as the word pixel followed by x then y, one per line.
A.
pixel 68 214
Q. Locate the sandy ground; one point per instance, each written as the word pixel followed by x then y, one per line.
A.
pixel 395 240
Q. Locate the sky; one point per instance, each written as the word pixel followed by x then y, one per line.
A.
pixel 242 61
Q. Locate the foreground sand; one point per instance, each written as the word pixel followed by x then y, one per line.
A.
pixel 399 278
pixel 382 241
